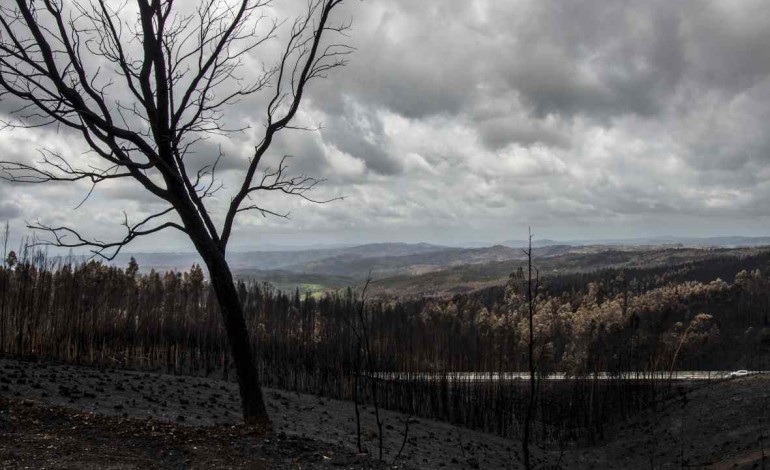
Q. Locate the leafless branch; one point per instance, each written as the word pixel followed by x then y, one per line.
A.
pixel 69 238
pixel 142 93
pixel 302 61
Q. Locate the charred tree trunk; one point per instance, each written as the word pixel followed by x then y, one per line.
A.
pixel 532 286
pixel 249 387
pixel 223 284
pixel 252 402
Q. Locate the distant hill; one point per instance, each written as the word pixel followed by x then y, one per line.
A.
pixel 276 260
pixel 724 242
pixel 288 281
pixel 471 277
pixel 356 265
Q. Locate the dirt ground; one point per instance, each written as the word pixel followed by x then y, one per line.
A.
pixel 62 416
pixel 719 426
pixel 200 403
pixel 41 436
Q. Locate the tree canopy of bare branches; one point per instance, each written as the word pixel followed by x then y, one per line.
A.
pixel 143 84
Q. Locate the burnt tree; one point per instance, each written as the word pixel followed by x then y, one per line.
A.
pixel 533 285
pixel 143 84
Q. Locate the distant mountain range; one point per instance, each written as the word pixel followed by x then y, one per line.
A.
pixel 724 242
pixel 334 267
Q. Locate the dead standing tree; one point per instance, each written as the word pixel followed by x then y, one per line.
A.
pixel 143 84
pixel 533 285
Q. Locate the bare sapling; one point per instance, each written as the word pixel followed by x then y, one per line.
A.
pixel 406 436
pixel 371 370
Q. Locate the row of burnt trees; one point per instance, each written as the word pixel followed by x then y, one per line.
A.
pixel 96 314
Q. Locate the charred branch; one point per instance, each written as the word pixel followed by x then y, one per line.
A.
pixel 69 238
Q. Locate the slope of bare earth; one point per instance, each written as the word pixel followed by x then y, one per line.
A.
pixel 62 416
pixel 721 425
pixel 326 427
pixel 38 436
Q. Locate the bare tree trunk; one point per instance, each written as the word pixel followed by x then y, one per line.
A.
pixel 177 113
pixel 370 363
pixel 252 401
pixel 5 281
pixel 406 437
pixel 356 376
pixel 531 293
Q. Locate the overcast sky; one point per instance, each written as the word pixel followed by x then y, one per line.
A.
pixel 467 120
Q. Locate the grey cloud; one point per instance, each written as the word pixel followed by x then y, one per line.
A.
pixel 308 156
pixel 412 58
pixel 729 134
pixel 356 132
pixel 559 57
pixel 634 200
pixel 574 58
pixel 499 132
pixel 9 211
pixel 208 152
pixel 362 136
pixel 128 191
pixel 727 43
pixel 10 106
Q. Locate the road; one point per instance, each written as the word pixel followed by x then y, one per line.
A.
pixel 556 376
